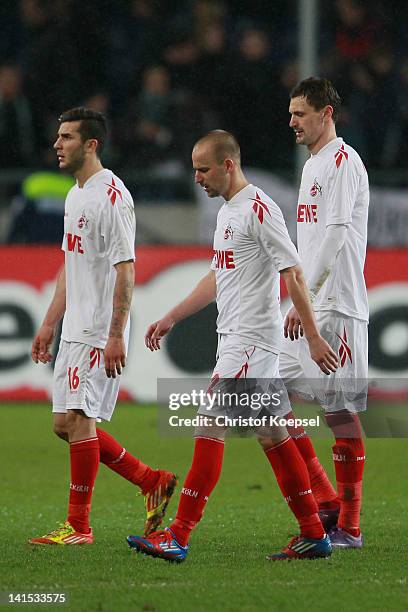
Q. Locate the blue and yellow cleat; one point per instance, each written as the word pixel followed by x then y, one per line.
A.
pixel 304 548
pixel 161 544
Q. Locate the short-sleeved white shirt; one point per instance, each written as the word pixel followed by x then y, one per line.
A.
pixel 334 190
pixel 99 232
pixel 251 246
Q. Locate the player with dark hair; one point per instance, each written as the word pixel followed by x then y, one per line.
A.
pixel 93 293
pixel 332 217
pixel 92 124
pixel 251 248
pixel 319 93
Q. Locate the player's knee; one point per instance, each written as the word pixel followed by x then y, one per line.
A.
pixel 60 431
pixel 344 424
pixel 74 421
pixel 216 432
pixel 271 436
pixel 265 442
pixel 268 442
pixel 59 426
pixel 295 430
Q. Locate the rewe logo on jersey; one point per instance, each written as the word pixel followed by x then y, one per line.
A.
pixel 315 189
pixel 74 243
pixel 224 259
pixel 307 213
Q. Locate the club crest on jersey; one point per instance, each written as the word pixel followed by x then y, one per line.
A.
pixel 228 232
pixel 83 221
pixel 315 189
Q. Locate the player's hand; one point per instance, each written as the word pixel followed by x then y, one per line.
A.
pixel 40 349
pixel 114 356
pixel 292 327
pixel 322 353
pixel 156 331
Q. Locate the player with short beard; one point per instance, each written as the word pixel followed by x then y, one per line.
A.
pixel 93 294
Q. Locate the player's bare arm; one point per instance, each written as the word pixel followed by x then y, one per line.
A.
pixel 115 351
pixel 202 295
pixel 320 350
pixel 40 350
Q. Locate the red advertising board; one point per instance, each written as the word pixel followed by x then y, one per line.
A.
pixel 163 276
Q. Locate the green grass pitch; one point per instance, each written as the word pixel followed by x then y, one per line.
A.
pixel 226 569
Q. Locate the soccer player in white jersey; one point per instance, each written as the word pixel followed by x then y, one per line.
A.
pixel 93 294
pixel 252 247
pixel 332 214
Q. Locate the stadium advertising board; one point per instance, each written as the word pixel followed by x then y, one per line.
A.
pixel 164 275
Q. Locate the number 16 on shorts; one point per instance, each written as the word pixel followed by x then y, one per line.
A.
pixel 73 378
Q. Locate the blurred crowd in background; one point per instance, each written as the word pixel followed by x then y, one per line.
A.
pixel 165 72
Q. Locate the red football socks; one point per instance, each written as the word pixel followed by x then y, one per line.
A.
pixel 349 459
pixel 293 480
pixel 84 467
pixel 204 473
pixel 116 458
pixel 322 488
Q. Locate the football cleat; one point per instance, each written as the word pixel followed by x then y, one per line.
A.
pixel 66 535
pixel 161 544
pixel 157 499
pixel 304 548
pixel 342 539
pixel 329 518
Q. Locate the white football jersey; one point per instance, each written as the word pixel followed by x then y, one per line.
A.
pixel 334 190
pixel 99 232
pixel 251 246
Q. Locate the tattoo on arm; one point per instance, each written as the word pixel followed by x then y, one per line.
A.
pixel 122 299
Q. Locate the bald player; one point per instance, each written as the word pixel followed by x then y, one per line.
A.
pixel 251 248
